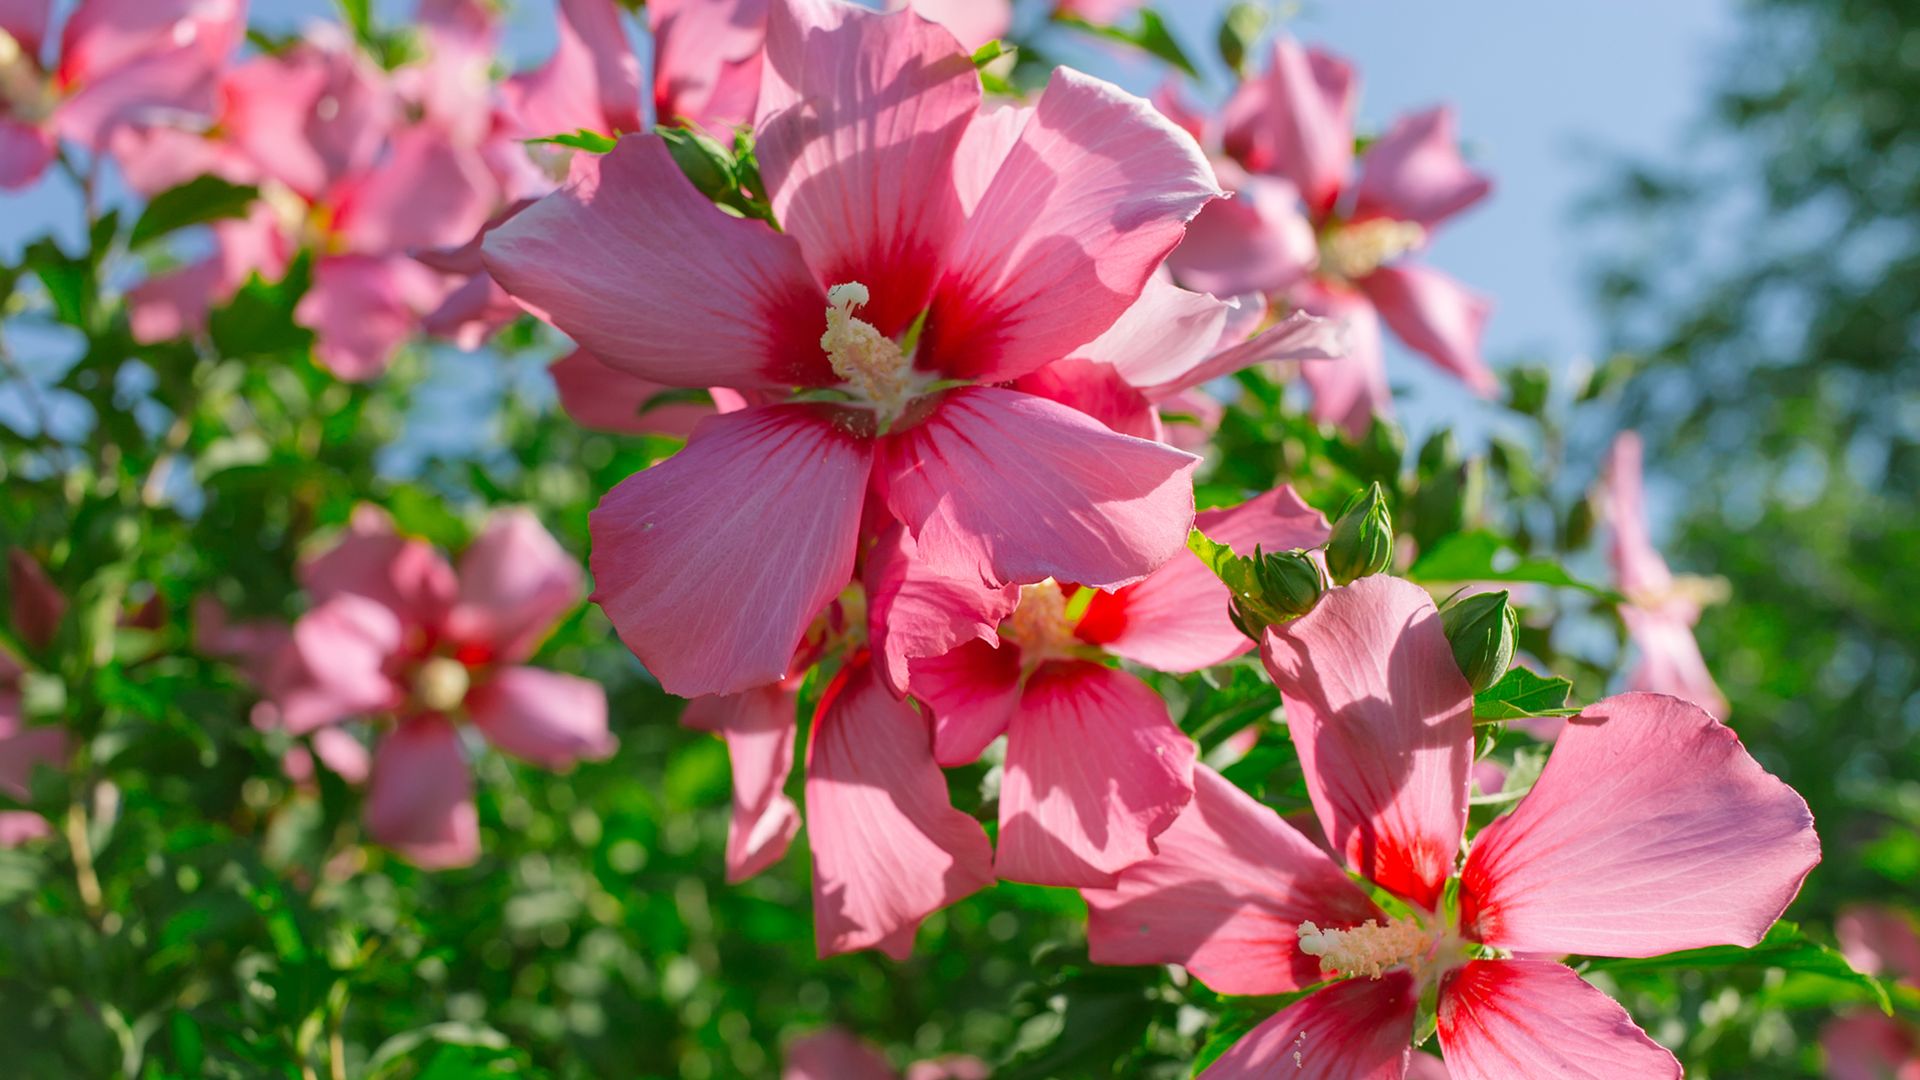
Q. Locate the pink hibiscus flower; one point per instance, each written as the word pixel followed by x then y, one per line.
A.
pixel 396 632
pixel 1289 137
pixel 120 62
pixel 1866 1044
pixel 833 1054
pixel 1650 830
pixel 1661 609
pixel 935 245
pixel 1095 768
pixel 22 749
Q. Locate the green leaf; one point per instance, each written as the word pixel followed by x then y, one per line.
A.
pixel 991 51
pixel 592 142
pixel 1784 948
pixel 1521 695
pixel 1149 35
pixel 196 202
pixel 448 1033
pixel 1482 556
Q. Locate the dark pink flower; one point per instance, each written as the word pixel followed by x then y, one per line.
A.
pixel 396 632
pixel 905 208
pixel 1650 830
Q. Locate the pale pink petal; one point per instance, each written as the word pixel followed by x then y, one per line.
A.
pixel 605 398
pixel 1524 1019
pixel 1098 12
pixel 1862 1045
pixel 25 152
pixel 973 22
pixel 1670 660
pixel 1359 1029
pixel 103 36
pixel 758 726
pixel 833 1054
pixel 860 167
pixel 26 22
pixel 1189 418
pixel 1258 241
pixel 1650 830
pixel 370 559
pixel 990 137
pixel 543 717
pixel 1352 390
pixel 346 755
pixel 253 644
pixel 336 666
pixel 362 308
pixel 643 270
pixel 1275 520
pixel 1165 333
pixel 1637 565
pixel 176 86
pixel 972 692
pixel 1383 722
pixel 1015 488
pixel 427 193
pixel 1095 771
pixel 420 798
pixel 707 60
pixel 888 847
pixel 592 81
pixel 175 303
pixel 916 609
pixel 1097 390
pixel 308 118
pixel 515 583
pixel 153 159
pixel 1880 941
pixel 712 563
pixel 1299 336
pixel 1437 317
pixel 1084 208
pixel 450 82
pixel 1414 172
pixel 1296 121
pixel 37 604
pixel 18 827
pixel 472 313
pixel 1427 1067
pixel 1225 897
pixel 1170 99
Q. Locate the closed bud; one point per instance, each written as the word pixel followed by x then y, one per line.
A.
pixel 1290 582
pixel 1240 28
pixel 1362 541
pixel 1482 629
pixel 704 161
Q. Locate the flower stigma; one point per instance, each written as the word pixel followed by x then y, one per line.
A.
pixel 1040 624
pixel 1351 252
pixel 441 684
pixel 868 360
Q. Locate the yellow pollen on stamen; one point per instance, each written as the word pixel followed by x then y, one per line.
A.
pixel 1369 949
pixel 24 89
pixel 1039 625
pixel 1354 251
pixel 868 360
pixel 1694 590
pixel 441 684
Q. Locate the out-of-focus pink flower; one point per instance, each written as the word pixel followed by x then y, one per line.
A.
pixel 903 204
pixel 1097 12
pixel 119 63
pixel 397 632
pixel 1305 227
pixel 1661 609
pixel 1095 767
pixel 833 1054
pixel 1649 831
pixel 38 605
pixel 1868 1045
pixel 22 749
pixel 1880 940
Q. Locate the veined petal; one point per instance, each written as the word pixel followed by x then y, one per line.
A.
pixel 1276 520
pixel 888 847
pixel 591 81
pixel 916 609
pixel 1095 771
pixel 758 726
pixel 712 563
pixel 420 798
pixel 1225 897
pixel 543 717
pixel 859 162
pixel 1097 390
pixel 1015 488
pixel 1414 172
pixel 605 398
pixel 1437 317
pixel 1360 1029
pixel 1383 722
pixel 1089 200
pixel 1637 564
pixel 1166 332
pixel 1524 1019
pixel 1650 830
pixel 645 272
pixel 1297 121
pixel 972 691
pixel 515 583
pixel 1258 241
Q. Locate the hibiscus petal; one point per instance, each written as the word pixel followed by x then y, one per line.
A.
pixel 37 606
pixel 26 22
pixel 1637 565
pixel 1089 201
pixel 643 270
pixel 371 560
pixel 1414 172
pixel 1354 1030
pixel 24 749
pixel 336 667
pixel 1276 520
pixel 1880 941
pixel 273 112
pixel 1299 336
pixel 1015 488
pixel 1437 317
pixel 973 22
pixel 1095 771
pixel 916 609
pixel 602 397
pixel 592 81
pixel 1650 830
pixel 758 726
pixel 544 717
pixel 1863 1045
pixel 1297 121
pixel 707 59
pixel 888 847
pixel 362 308
pixel 1352 390
pixel 1161 335
pixel 174 303
pixel 515 583
pixel 859 160
pixel 427 192
pixel 972 692
pixel 1096 389
pixel 102 36
pixel 25 152
pixel 1258 241
pixel 1225 897
pixel 712 563
pixel 1670 660
pixel 1522 1019
pixel 1383 721
pixel 835 1055
pixel 164 86
pixel 420 799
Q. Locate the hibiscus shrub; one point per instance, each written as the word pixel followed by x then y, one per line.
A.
pixel 1020 641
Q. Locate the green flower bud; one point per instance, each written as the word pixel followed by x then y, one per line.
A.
pixel 1482 629
pixel 1362 541
pixel 1290 582
pixel 705 162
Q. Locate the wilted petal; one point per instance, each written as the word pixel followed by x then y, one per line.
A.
pixel 1088 202
pixel 712 563
pixel 916 609
pixel 758 726
pixel 1524 1019
pixel 1225 897
pixel 420 799
pixel 544 717
pixel 888 847
pixel 1353 1030
pixel 1383 722
pixel 1414 172
pixel 1437 317
pixel 1015 488
pixel 515 583
pixel 1650 830
pixel 1095 771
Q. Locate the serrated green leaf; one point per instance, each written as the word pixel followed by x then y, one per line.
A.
pixel 196 202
